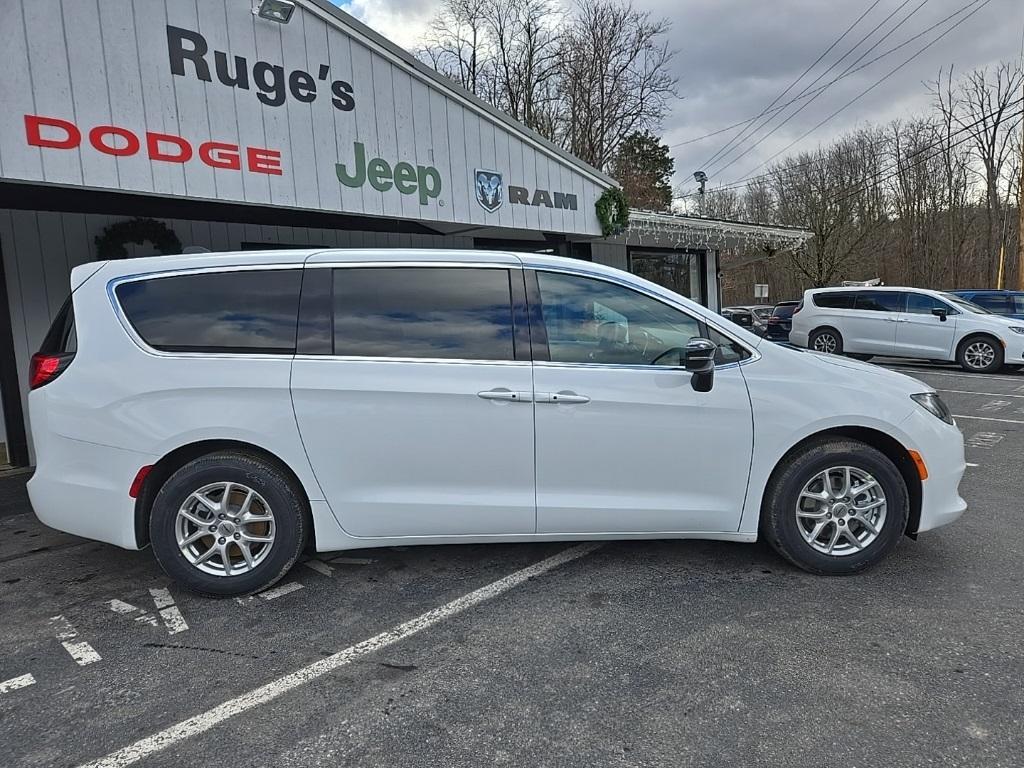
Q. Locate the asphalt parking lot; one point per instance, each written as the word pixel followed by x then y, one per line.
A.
pixel 623 654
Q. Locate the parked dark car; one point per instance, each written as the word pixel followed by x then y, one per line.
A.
pixel 753 318
pixel 998 302
pixel 781 321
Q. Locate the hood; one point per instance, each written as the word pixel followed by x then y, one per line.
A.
pixel 853 371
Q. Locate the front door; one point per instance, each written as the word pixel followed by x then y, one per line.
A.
pixel 921 334
pixel 871 328
pixel 624 443
pixel 415 413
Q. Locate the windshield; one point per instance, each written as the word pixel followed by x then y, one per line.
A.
pixel 964 304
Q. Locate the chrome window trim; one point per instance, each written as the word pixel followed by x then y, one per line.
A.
pixel 431 360
pixel 752 351
pixel 407 264
pixel 114 282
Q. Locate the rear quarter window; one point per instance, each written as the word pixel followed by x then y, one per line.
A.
pixel 834 300
pixel 239 311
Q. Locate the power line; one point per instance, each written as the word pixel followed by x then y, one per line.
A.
pixel 794 169
pixel 832 66
pixel 843 74
pixel 896 168
pixel 846 73
pixel 874 85
pixel 801 77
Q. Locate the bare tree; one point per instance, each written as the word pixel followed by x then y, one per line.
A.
pixel 456 43
pixel 989 115
pixel 615 78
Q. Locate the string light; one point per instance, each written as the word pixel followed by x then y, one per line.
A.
pixel 648 228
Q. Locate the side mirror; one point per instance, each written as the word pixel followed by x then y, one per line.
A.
pixel 940 312
pixel 699 359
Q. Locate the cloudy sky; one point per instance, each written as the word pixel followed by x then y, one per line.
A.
pixel 734 57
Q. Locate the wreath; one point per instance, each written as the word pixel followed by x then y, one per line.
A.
pixel 612 212
pixel 110 243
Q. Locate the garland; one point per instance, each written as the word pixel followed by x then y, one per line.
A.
pixel 612 212
pixel 110 243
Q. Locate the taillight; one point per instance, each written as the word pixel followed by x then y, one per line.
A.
pixel 45 368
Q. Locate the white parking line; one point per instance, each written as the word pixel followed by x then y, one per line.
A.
pixel 319 566
pixel 981 376
pixel 81 652
pixel 266 693
pixel 984 394
pixel 987 418
pixel 24 681
pixel 969 464
pixel 169 612
pixel 284 589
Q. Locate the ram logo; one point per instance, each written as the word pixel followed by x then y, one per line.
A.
pixel 489 189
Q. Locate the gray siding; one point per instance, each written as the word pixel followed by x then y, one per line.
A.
pixel 108 63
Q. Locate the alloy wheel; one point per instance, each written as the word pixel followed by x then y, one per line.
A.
pixel 225 529
pixel 979 355
pixel 841 510
pixel 825 342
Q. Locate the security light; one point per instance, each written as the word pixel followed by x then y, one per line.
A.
pixel 700 177
pixel 274 10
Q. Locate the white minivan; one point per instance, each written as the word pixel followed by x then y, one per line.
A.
pixel 232 410
pixel 907 322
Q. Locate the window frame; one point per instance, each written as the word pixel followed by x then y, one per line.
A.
pixel 122 317
pixel 950 309
pixel 852 294
pixel 538 330
pixel 316 308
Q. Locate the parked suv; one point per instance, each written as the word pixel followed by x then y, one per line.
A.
pixel 780 322
pixel 1006 303
pixel 907 322
pixel 231 410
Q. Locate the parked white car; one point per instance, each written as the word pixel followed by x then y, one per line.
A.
pixel 907 322
pixel 232 410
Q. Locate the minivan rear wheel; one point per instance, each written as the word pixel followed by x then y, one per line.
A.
pixel 826 340
pixel 836 507
pixel 228 524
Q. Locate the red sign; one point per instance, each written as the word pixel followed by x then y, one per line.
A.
pixel 55 133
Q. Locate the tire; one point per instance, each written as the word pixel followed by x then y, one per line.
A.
pixel 980 354
pixel 789 533
pixel 827 340
pixel 252 480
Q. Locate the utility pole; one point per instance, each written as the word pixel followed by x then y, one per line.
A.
pixel 1020 214
pixel 1020 202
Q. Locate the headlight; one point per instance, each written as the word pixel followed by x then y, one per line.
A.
pixel 932 403
pixel 1017 329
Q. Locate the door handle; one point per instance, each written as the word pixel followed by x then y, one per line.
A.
pixel 565 397
pixel 504 394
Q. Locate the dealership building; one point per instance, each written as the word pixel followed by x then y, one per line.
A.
pixel 134 127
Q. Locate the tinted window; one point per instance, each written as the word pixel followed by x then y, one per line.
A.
pixel 593 321
pixel 993 302
pixel 879 301
pixel 834 300
pixel 426 312
pixel 784 311
pixel 1019 302
pixel 243 311
pixel 61 338
pixel 922 304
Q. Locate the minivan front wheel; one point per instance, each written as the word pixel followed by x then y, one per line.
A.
pixel 826 340
pixel 980 354
pixel 228 524
pixel 835 508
